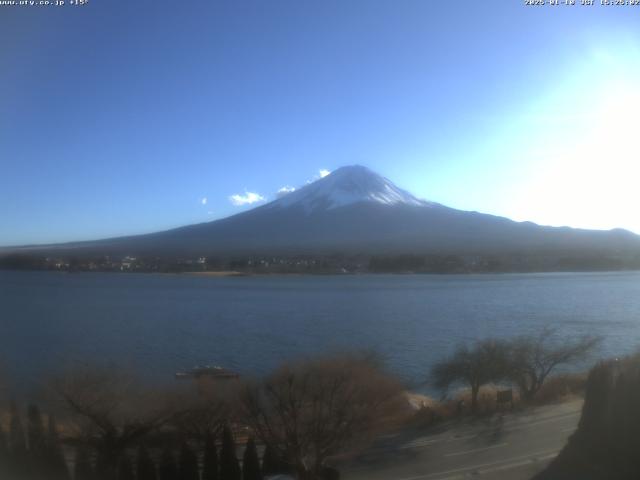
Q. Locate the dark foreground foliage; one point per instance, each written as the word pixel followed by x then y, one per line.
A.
pixel 116 428
pixel 605 445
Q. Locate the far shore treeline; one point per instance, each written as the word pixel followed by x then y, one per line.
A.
pixel 336 263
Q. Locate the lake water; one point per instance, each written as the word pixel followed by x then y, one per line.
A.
pixel 159 324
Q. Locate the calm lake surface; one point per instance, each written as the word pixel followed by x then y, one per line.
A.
pixel 160 324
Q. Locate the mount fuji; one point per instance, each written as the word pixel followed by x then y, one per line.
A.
pixel 345 186
pixel 353 210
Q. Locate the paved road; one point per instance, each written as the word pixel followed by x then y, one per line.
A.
pixel 513 447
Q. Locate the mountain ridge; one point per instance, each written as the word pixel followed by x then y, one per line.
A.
pixel 355 210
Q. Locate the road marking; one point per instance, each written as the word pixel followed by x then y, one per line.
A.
pixel 513 425
pixel 440 438
pixel 503 464
pixel 465 437
pixel 509 428
pixel 547 420
pixel 415 444
pixel 425 443
pixel 457 454
pixel 502 468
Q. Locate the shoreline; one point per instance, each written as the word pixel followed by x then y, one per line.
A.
pixel 236 273
pixel 221 273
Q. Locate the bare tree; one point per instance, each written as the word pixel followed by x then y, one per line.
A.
pixel 111 412
pixel 311 410
pixel 483 363
pixel 203 415
pixel 534 357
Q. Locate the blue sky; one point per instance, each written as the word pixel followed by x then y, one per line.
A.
pixel 120 117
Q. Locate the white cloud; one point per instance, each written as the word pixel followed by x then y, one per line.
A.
pixel 286 189
pixel 203 201
pixel 323 172
pixel 247 199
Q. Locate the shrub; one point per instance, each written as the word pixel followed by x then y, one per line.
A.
pixel 210 460
pixel 250 462
pixel 229 466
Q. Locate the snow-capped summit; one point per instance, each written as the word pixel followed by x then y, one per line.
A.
pixel 346 186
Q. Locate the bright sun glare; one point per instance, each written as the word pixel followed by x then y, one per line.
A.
pixel 587 174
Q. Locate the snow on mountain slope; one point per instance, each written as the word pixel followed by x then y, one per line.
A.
pixel 346 186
